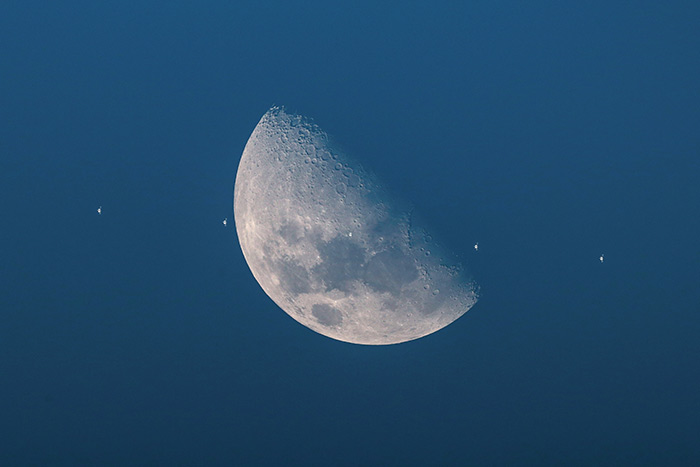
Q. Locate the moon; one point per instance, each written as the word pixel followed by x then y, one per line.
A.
pixel 332 248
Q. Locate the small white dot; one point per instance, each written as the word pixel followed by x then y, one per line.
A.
pixel 99 210
pixel 602 258
pixel 225 221
pixel 476 246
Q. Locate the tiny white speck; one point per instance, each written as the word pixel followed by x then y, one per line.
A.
pixel 476 246
pixel 225 221
pixel 349 234
pixel 99 210
pixel 602 258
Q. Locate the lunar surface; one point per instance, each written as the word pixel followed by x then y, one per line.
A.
pixel 329 245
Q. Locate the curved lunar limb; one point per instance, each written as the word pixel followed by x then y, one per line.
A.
pixel 329 245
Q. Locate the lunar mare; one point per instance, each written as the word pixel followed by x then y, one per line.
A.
pixel 332 248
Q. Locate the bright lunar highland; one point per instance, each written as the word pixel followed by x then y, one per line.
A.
pixel 329 245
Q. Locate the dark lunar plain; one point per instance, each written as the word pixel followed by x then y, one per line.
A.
pixel 548 132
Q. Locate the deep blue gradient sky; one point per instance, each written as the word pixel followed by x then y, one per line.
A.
pixel 550 132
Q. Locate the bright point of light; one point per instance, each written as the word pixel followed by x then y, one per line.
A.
pixel 476 246
pixel 602 258
pixel 225 221
pixel 99 210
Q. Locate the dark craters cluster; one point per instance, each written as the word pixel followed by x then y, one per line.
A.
pixel 342 263
pixel 293 276
pixel 389 270
pixel 327 315
pixel 291 232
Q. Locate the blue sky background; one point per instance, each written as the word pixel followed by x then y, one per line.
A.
pixel 549 132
